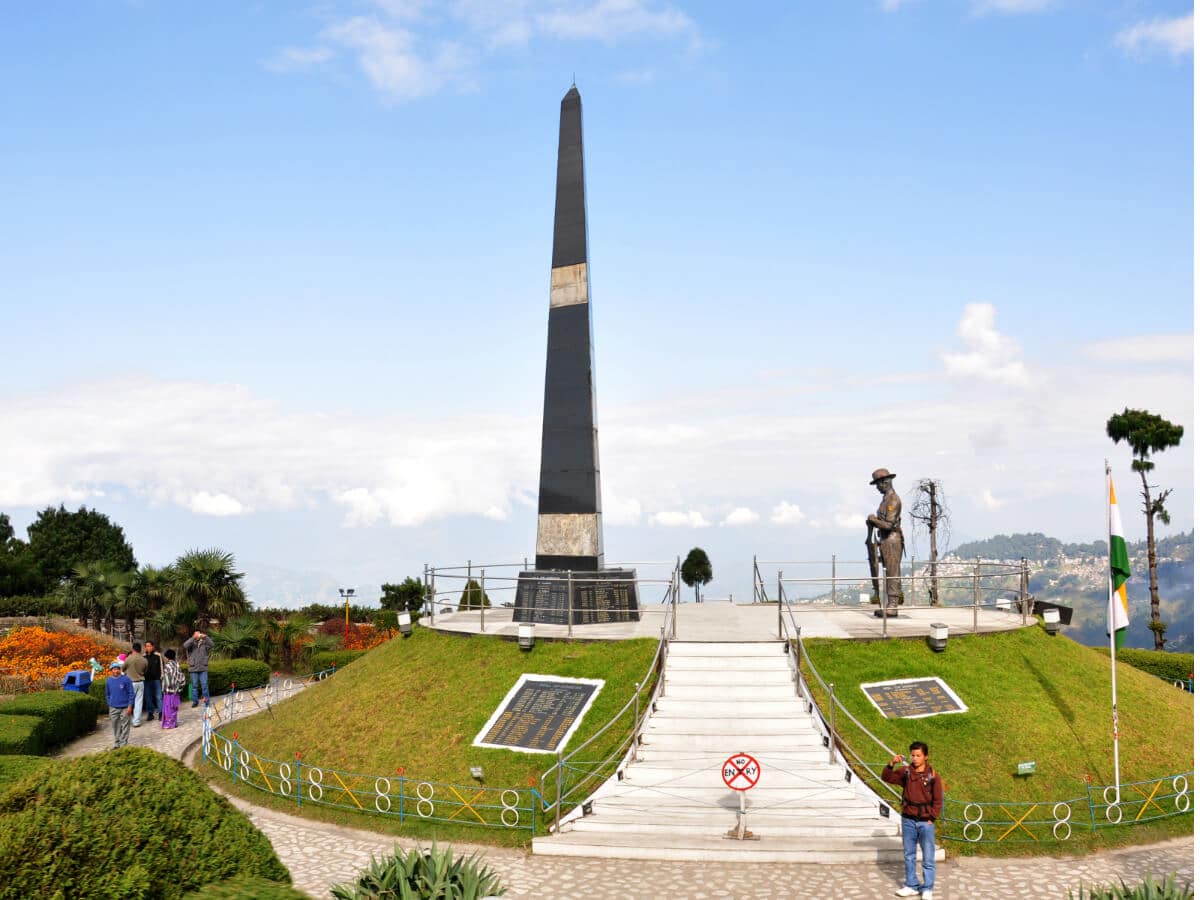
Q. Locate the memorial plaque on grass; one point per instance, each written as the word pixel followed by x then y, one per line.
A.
pixel 539 714
pixel 913 698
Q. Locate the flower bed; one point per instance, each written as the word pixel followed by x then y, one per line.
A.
pixel 32 658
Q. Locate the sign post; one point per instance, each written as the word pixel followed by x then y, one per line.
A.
pixel 740 773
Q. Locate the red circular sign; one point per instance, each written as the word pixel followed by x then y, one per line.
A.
pixel 740 772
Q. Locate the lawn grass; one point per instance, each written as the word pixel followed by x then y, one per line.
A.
pixel 415 705
pixel 1030 696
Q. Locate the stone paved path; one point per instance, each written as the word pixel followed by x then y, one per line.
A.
pixel 319 855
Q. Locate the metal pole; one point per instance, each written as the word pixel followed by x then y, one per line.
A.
pixel 832 730
pixel 833 582
pixel 799 692
pixel 675 604
pixel 637 702
pixel 425 585
pixel 1024 589
pixel 1112 639
pixel 754 580
pixel 975 602
pixel 912 578
pixel 558 795
pixel 482 594
pixel 781 604
pixel 570 605
pixel 467 589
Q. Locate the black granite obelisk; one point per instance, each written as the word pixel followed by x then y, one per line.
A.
pixel 570 538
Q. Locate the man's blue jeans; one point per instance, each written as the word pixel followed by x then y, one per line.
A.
pixel 915 832
pixel 153 701
pixel 199 686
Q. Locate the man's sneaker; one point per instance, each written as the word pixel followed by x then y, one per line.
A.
pixel 906 891
pixel 926 895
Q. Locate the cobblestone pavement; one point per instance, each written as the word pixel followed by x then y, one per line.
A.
pixel 319 855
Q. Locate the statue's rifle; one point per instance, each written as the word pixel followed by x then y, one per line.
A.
pixel 873 561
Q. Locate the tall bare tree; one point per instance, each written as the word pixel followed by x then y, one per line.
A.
pixel 927 507
pixel 1147 433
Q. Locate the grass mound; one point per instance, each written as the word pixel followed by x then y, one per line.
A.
pixel 1029 697
pixel 129 823
pixel 418 703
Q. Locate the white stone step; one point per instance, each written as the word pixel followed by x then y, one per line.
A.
pixel 729 664
pixel 719 708
pixel 613 822
pixel 718 678
pixel 679 796
pixel 738 650
pixel 814 755
pixel 752 691
pixel 654 773
pixel 764 725
pixel 699 848
pixel 683 740
pixel 651 807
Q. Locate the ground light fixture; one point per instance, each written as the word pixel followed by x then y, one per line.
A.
pixel 404 621
pixel 525 636
pixel 477 773
pixel 939 635
pixel 1050 621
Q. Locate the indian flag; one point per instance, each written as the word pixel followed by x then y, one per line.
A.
pixel 1118 564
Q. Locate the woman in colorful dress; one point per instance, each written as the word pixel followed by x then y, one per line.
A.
pixel 173 681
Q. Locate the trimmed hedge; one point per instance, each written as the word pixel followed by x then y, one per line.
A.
pixel 22 736
pixel 247 888
pixel 245 673
pixel 67 714
pixel 175 834
pixel 14 768
pixel 1161 663
pixel 326 659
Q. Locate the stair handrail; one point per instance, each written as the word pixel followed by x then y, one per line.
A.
pixel 640 716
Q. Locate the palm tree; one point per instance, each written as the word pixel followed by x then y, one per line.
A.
pixel 288 635
pixel 102 588
pixel 151 590
pixel 239 638
pixel 206 579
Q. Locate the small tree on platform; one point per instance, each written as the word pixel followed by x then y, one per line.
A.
pixel 473 596
pixel 696 570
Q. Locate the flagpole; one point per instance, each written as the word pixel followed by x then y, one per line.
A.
pixel 1112 634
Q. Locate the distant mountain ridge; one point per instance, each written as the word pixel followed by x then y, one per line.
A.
pixel 1037 547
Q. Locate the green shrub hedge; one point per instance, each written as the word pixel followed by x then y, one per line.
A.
pixel 245 673
pixel 14 768
pixel 22 736
pixel 1162 663
pixel 67 714
pixel 327 659
pixel 172 835
pixel 247 888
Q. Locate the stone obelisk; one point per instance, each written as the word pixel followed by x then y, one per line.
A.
pixel 569 533
pixel 569 582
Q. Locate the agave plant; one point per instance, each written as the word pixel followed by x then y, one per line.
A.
pixel 423 875
pixel 1151 888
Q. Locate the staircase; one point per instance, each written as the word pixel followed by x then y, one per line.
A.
pixel 671 804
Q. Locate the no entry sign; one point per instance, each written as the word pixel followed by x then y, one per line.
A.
pixel 740 772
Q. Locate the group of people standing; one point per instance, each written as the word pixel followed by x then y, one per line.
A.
pixel 150 682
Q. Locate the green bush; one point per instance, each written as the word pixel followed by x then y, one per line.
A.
pixel 245 673
pixel 14 768
pixel 327 659
pixel 247 888
pixel 1173 666
pixel 67 714
pixel 1151 888
pixel 22 736
pixel 422 875
pixel 129 823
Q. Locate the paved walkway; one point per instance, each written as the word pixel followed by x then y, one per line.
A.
pixel 320 855
pixel 723 621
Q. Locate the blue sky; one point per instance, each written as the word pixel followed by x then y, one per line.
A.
pixel 276 275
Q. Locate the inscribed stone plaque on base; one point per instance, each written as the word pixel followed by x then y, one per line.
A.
pixel 587 598
pixel 913 698
pixel 539 714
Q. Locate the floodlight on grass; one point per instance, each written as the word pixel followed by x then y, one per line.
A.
pixel 939 635
pixel 404 620
pixel 477 773
pixel 525 636
pixel 1050 621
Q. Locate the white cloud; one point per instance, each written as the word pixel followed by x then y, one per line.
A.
pixel 893 5
pixel 990 500
pixel 677 519
pixel 207 504
pixel 1009 7
pixel 612 20
pixel 1173 36
pixel 1143 349
pixel 390 58
pixel 621 511
pixel 293 59
pixel 852 521
pixel 989 355
pixel 740 515
pixel 786 513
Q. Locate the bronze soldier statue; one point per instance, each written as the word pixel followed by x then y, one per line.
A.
pixel 886 540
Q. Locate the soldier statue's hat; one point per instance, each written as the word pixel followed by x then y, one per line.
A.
pixel 879 474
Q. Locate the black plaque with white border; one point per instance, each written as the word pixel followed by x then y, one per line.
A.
pixel 539 714
pixel 913 698
pixel 589 598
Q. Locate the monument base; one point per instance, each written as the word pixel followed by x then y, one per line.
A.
pixel 584 598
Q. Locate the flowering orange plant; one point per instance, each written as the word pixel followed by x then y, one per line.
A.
pixel 36 655
pixel 365 637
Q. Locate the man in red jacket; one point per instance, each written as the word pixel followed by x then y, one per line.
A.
pixel 920 807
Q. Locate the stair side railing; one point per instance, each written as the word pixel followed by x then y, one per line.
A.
pixel 571 772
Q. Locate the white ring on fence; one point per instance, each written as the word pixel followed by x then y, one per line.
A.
pixel 978 837
pixel 1108 813
pixel 1061 819
pixel 421 790
pixel 244 765
pixel 1181 793
pixel 510 806
pixel 321 676
pixel 288 685
pixel 973 822
pixel 1115 798
pixel 381 793
pixel 315 777
pixel 285 779
pixel 425 801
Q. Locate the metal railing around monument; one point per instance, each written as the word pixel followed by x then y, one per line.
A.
pixel 978 821
pixel 959 584
pixel 446 590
